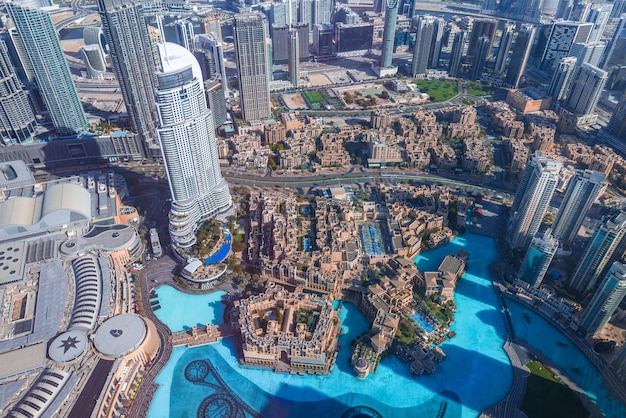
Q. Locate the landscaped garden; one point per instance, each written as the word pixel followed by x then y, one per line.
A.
pixel 438 90
pixel 478 89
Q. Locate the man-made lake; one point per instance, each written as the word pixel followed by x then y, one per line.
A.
pixel 208 381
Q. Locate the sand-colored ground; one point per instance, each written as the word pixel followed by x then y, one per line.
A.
pixel 295 101
pixel 317 79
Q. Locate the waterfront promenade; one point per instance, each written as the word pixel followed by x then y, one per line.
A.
pixel 147 389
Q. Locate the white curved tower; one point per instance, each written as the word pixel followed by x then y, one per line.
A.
pixel 187 138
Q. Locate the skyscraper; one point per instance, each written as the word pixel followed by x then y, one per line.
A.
pixel 389 31
pixel 586 88
pixel 590 52
pixel 598 15
pixel 562 78
pixel 17 121
pixel 519 55
pixel 133 61
pixel 480 59
pixel 482 28
pixel 581 192
pixel 560 40
pixel 322 11
pixel 186 134
pixel 42 51
pixel 457 54
pixel 538 258
pixel 294 59
pixel 606 300
pixel 616 51
pixel 598 252
pixel 506 40
pixel 424 31
pixel 617 124
pixel 435 45
pixel 253 66
pixel 532 198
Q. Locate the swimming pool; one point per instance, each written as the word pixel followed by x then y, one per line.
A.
pixel 422 322
pixel 222 253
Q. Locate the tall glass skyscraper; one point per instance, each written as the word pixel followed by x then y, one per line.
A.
pixel 41 48
pixel 598 253
pixel 606 299
pixel 538 258
pixel 532 198
pixel 389 32
pixel 187 137
pixel 132 58
pixel 581 192
pixel 253 66
pixel 519 55
pixel 17 121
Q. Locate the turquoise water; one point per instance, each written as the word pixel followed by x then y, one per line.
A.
pixel 181 311
pixel 556 347
pixel 208 381
pixel 222 253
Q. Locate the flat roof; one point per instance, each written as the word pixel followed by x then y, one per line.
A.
pixel 49 308
pixel 120 335
pixel 22 360
pixel 15 174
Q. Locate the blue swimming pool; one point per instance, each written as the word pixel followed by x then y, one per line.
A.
pixel 209 379
pixel 222 253
pixel 422 322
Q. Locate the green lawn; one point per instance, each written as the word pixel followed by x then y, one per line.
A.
pixel 438 90
pixel 315 97
pixel 479 89
pixel 548 397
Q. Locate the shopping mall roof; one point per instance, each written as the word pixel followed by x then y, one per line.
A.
pixel 120 335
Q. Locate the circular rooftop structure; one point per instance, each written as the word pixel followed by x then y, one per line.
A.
pixel 120 335
pixel 68 346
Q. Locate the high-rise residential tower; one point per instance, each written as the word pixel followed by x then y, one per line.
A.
pixel 17 121
pixel 480 59
pixel 42 51
pixel 389 31
pixel 587 84
pixel 598 15
pixel 606 300
pixel 482 28
pixel 133 60
pixel 562 78
pixel 532 198
pixel 581 192
pixel 506 40
pixel 615 54
pixel 599 250
pixel 253 66
pixel 538 258
pixel 187 137
pixel 454 66
pixel 424 31
pixel 617 124
pixel 519 55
